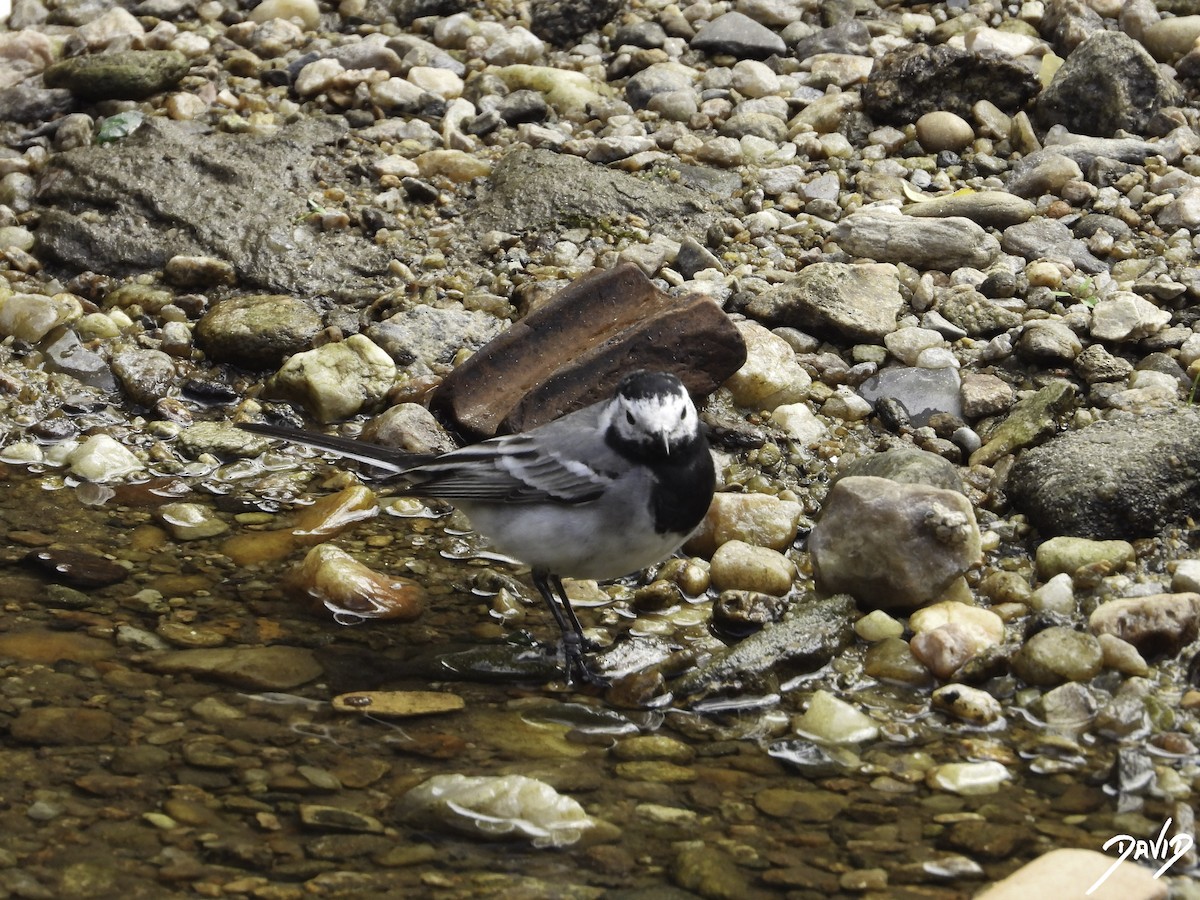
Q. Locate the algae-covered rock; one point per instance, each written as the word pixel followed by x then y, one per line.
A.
pixel 125 75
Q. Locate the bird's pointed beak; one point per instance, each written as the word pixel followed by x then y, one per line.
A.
pixel 666 444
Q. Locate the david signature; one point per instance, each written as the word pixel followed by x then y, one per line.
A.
pixel 1162 848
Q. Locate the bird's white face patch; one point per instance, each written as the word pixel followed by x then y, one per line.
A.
pixel 663 421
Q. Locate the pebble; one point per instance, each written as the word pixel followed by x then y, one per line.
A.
pixel 455 165
pixel 30 317
pixel 1069 708
pixel 984 621
pixel 1124 316
pixel 306 12
pixel 514 46
pixel 442 82
pixel 101 458
pixel 967 704
pixel 331 578
pixel 757 519
pixel 907 344
pixel 708 871
pixel 736 565
pixel 1049 341
pixel 199 272
pixel 146 376
pixel 752 78
pixel 944 650
pixel 337 380
pixel 16 236
pixel 336 818
pixel 652 746
pixel 569 93
pixel 922 392
pixel 46 647
pixel 941 130
pixel 398 704
pixel 498 807
pixel 1066 555
pixel 877 625
pixel 800 423
pixel 191 521
pixel 257 330
pixel 120 75
pixel 738 612
pixel 1154 624
pixel 1186 577
pixel 1056 596
pixel 1059 654
pixel 771 376
pixel 991 209
pixel 829 719
pixel 892 659
pixel 860 301
pixel 969 779
pixel 885 235
pixel 739 35
pixel 1121 656
pixel 313 524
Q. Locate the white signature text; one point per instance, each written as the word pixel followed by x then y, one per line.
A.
pixel 1130 848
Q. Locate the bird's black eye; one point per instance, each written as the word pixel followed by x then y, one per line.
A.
pixel 629 416
pixel 683 414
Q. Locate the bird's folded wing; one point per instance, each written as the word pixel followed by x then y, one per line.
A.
pixel 510 470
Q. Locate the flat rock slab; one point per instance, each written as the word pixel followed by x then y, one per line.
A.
pixel 571 352
pixel 265 668
pixel 398 704
pixel 538 190
pixel 811 632
pixel 172 188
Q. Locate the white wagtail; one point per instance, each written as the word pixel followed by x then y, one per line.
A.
pixel 598 493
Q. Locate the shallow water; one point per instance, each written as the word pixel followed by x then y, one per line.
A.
pixel 156 783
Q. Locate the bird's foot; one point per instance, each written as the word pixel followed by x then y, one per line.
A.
pixel 577 669
pixel 579 672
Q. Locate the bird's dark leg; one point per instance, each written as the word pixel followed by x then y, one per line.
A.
pixel 556 583
pixel 574 643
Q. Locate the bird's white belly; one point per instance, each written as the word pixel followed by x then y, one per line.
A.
pixel 574 542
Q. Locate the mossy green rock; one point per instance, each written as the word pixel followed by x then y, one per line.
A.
pixel 1067 554
pixel 257 331
pixel 1059 654
pixel 125 75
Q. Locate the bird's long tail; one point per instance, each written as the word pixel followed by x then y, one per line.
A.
pixel 394 462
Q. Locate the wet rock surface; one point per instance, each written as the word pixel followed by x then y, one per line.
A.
pixel 242 207
pixel 950 245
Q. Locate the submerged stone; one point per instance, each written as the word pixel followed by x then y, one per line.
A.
pixel 499 807
pixel 333 579
pixel 266 668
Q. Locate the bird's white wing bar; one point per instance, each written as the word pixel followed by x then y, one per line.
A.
pixel 513 470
